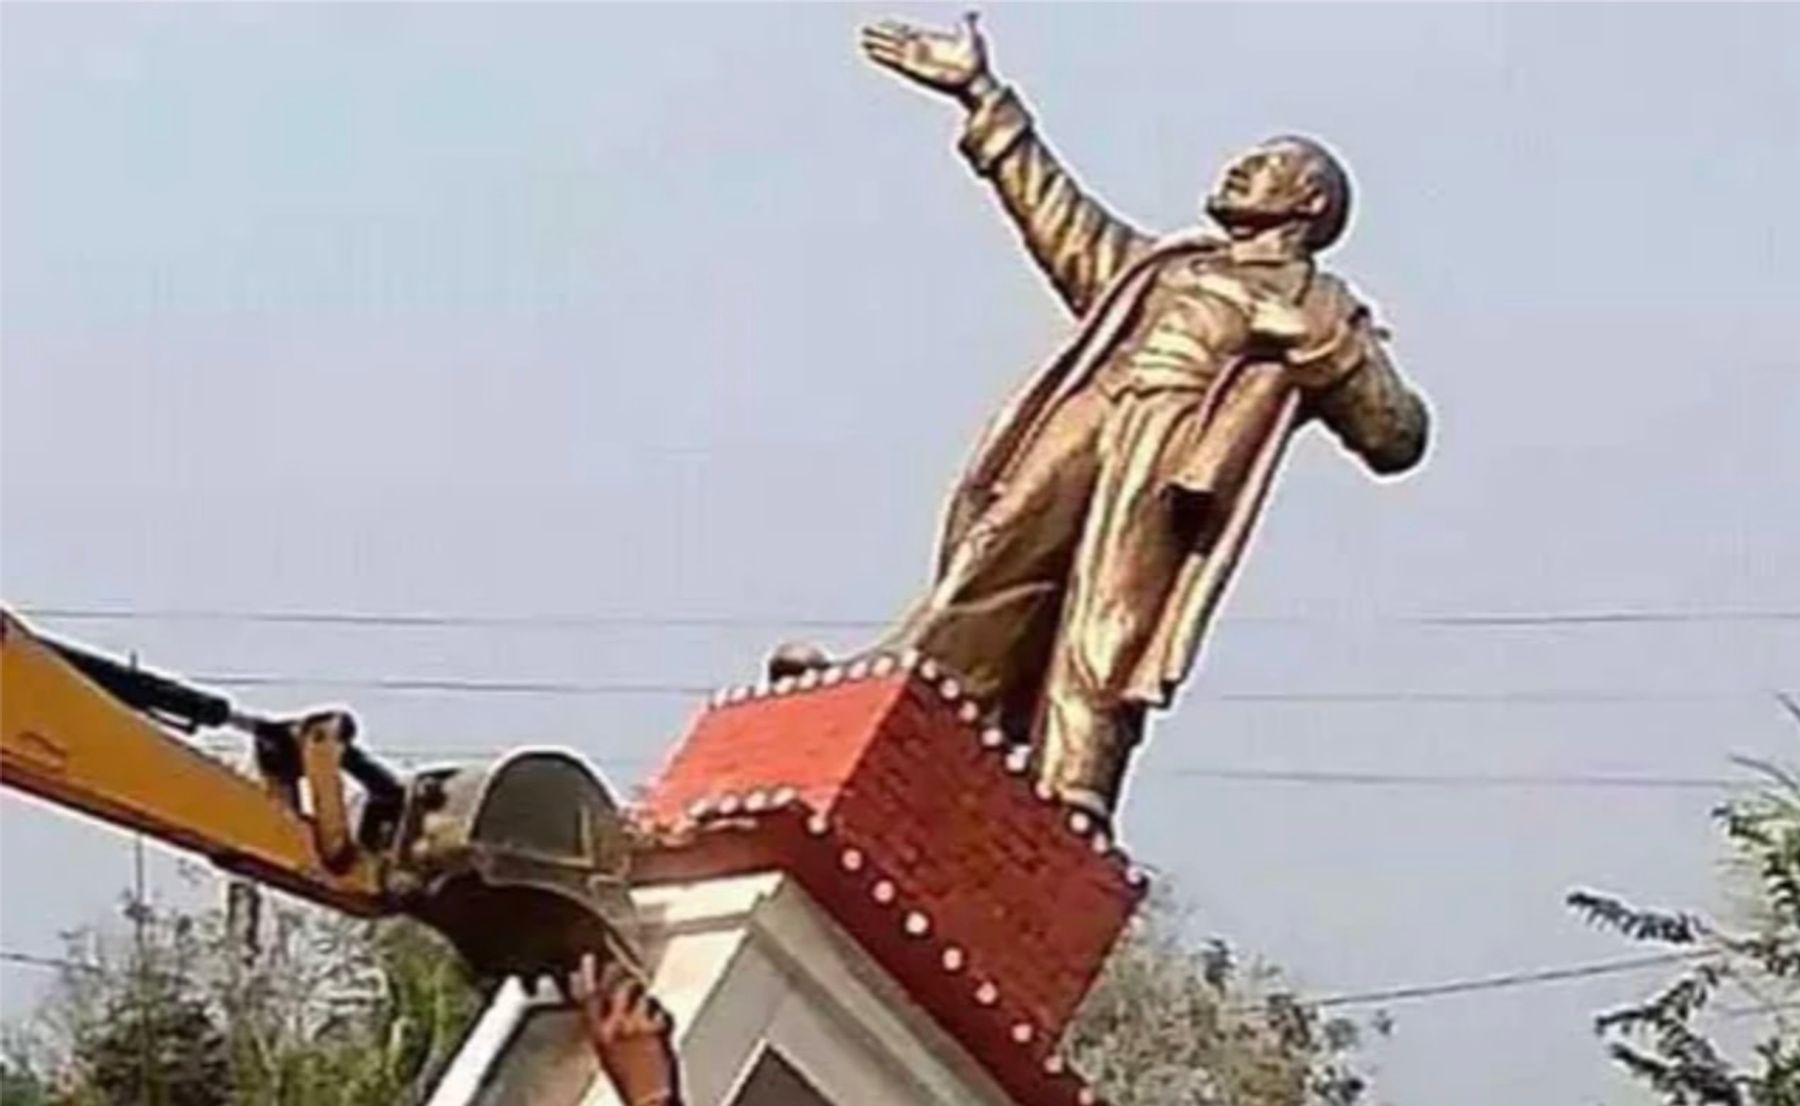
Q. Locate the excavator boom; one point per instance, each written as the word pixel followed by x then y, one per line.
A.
pixel 67 739
pixel 521 863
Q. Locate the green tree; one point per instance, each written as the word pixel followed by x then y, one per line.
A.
pixel 1742 975
pixel 132 1027
pixel 21 1085
pixel 160 1049
pixel 307 1008
pixel 217 1007
pixel 339 1012
pixel 1168 1024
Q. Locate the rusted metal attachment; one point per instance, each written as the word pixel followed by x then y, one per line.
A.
pixel 522 863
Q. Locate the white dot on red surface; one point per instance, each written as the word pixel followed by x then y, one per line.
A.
pixel 783 796
pixel 1053 1064
pixel 917 924
pixel 1086 1097
pixel 728 804
pixel 987 994
pixel 882 892
pixel 1101 842
pixel 928 668
pixel 952 959
pixel 832 675
pixel 817 825
pixel 851 860
pixel 699 807
pixel 950 689
pixel 1042 790
pixel 809 679
pixel 739 694
pixel 1017 759
pixel 1081 821
pixel 784 685
pixel 756 801
pixel 882 666
pixel 969 712
pixel 1022 1032
pixel 909 660
pixel 993 737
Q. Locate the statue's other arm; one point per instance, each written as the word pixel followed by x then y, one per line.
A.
pixel 1366 403
pixel 1079 244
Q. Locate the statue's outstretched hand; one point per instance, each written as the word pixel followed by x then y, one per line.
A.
pixel 951 62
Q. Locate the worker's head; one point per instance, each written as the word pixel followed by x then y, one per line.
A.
pixel 1288 179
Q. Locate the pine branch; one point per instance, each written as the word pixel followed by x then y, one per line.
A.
pixel 1634 922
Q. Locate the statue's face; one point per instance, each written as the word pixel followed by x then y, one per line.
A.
pixel 1265 186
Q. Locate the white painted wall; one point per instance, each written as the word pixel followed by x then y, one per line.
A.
pixel 750 962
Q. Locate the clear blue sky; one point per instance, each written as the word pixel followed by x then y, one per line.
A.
pixel 686 311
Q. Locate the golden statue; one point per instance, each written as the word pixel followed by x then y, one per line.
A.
pixel 1090 540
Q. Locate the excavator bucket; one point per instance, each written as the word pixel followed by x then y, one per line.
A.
pixel 521 863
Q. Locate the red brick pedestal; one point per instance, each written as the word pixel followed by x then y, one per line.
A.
pixel 919 832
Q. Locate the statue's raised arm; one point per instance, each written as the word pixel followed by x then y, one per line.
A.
pixel 1078 242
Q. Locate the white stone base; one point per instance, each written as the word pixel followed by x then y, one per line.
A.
pixel 745 965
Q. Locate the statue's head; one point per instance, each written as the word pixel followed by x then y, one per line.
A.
pixel 1284 180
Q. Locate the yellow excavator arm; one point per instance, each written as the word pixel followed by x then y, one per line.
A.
pixel 521 863
pixel 80 730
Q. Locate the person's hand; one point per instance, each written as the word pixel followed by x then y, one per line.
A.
pixel 951 62
pixel 631 1033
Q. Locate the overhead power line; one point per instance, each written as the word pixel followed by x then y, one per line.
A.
pixel 547 687
pixel 437 621
pixel 29 960
pixel 1223 773
pixel 1516 696
pixel 459 686
pixel 1458 780
pixel 1414 992
pixel 227 746
pixel 459 620
pixel 454 686
pixel 1533 977
pixel 1527 978
pixel 1605 618
pixel 1758 1009
pixel 1524 978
